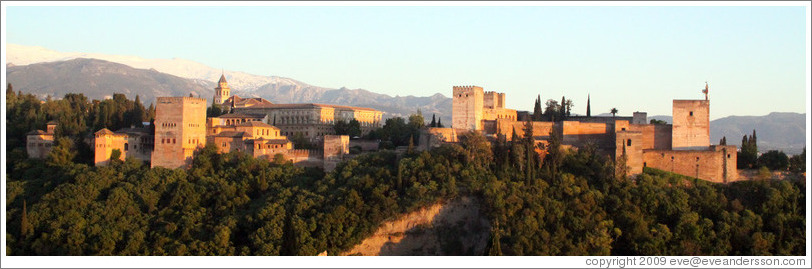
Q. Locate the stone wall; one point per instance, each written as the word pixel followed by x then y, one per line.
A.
pixel 715 163
pixel 655 136
pixel 180 129
pixel 691 122
pixel 631 142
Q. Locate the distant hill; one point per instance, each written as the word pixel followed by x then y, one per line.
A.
pixel 98 79
pixel 776 131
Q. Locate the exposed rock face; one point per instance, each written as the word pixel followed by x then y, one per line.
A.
pixel 453 227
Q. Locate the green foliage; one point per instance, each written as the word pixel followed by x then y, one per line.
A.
pixel 351 128
pixel 656 121
pixel 234 204
pixel 774 160
pixel 797 163
pixel 748 155
pixel 302 142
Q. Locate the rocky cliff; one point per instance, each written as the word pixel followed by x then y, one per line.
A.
pixel 453 227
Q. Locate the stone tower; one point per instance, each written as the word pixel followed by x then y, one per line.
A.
pixel 180 129
pixel 691 125
pixel 467 105
pixel 222 92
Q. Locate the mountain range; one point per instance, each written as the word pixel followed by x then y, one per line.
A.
pixel 45 72
pixel 275 89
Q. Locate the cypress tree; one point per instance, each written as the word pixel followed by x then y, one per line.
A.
pixel 440 122
pixel 537 109
pixel 25 227
pixel 433 121
pixel 588 109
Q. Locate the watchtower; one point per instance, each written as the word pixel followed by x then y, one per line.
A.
pixel 180 129
pixel 467 105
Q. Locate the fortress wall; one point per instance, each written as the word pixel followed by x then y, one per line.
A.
pixel 632 141
pixel 579 134
pixel 541 129
pixel 655 136
pixel 716 164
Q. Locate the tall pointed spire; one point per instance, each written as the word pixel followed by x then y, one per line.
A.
pixel 588 109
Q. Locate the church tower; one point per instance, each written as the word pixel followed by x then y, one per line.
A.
pixel 222 92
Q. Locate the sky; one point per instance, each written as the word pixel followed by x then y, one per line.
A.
pixel 634 58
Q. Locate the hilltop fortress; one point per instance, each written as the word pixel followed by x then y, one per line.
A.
pixel 682 147
pixel 263 130
pixel 254 125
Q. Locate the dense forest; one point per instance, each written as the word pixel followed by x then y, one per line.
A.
pixel 570 202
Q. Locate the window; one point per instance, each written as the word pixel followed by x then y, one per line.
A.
pixel 644 164
pixel 173 141
pixel 126 146
pixel 623 129
pixel 628 142
pixel 691 113
pixel 728 156
pixel 697 159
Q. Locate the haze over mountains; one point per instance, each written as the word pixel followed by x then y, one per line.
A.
pixel 44 72
pixel 275 89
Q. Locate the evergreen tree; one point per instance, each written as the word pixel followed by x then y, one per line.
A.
pixel 410 150
pixel 562 111
pixel 723 141
pixel 588 109
pixel 529 145
pixel 537 112
pixel 440 123
pixel 433 121
pixel 25 226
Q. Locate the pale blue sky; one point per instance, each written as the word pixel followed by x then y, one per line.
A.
pixel 632 58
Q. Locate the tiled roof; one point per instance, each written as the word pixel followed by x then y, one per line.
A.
pixel 255 124
pixel 230 134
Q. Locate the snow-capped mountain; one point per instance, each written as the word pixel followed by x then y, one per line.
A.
pixel 240 82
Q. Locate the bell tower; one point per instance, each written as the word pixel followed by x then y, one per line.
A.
pixel 222 92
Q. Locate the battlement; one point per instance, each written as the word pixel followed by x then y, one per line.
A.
pixel 466 88
pixel 171 100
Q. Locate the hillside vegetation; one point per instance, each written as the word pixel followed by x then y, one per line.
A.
pixel 569 203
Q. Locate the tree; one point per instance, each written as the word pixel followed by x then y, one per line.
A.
pixel 25 226
pixel 797 163
pixel 774 160
pixel 63 152
pixel 529 142
pixel 410 150
pixel 748 155
pixel 588 109
pixel 537 112
pixel 115 155
pixel 354 128
pixel 656 121
pixel 433 121
pixel 723 141
pixel 440 123
pixel 613 111
pixel 551 110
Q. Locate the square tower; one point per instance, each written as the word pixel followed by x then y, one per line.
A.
pixel 467 105
pixel 180 129
pixel 691 125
